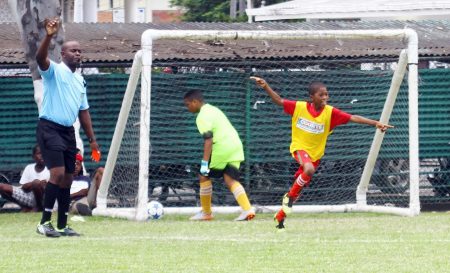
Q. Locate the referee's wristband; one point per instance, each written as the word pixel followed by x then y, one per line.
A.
pixel 91 140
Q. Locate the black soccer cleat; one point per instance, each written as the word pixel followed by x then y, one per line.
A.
pixel 67 231
pixel 47 230
pixel 280 224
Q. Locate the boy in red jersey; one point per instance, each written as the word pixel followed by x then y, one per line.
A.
pixel 312 122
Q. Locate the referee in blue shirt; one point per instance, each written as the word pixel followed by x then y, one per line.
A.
pixel 64 100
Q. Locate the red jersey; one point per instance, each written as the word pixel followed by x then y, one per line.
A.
pixel 310 128
pixel 338 117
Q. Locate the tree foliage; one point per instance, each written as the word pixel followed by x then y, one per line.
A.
pixel 212 10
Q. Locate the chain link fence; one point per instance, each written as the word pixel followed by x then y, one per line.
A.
pixel 107 82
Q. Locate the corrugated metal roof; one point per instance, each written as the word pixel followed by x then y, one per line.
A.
pixel 117 42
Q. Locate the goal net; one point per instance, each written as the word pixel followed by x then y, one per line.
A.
pixel 156 149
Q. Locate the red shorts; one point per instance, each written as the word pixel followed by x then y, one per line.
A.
pixel 302 157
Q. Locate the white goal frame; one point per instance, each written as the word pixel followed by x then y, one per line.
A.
pixel 142 67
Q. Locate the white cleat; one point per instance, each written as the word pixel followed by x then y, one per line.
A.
pixel 246 215
pixel 286 204
pixel 201 216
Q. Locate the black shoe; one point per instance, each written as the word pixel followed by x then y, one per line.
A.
pixel 83 209
pixel 47 229
pixel 280 224
pixel 67 231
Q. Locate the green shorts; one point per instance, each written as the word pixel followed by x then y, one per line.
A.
pixel 222 166
pixel 229 168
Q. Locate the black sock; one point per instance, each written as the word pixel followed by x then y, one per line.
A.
pixel 50 194
pixel 63 207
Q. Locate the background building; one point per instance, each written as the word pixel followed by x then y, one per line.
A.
pixel 108 11
pixel 353 9
pixel 157 11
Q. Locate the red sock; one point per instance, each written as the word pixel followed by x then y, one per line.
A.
pixel 298 185
pixel 280 215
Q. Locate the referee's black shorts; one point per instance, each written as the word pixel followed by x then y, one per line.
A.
pixel 58 145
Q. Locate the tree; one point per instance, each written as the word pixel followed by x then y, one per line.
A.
pixel 213 10
pixel 30 17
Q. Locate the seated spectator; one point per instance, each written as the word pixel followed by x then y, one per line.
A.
pixel 83 192
pixel 29 195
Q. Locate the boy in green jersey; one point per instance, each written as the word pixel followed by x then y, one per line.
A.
pixel 222 155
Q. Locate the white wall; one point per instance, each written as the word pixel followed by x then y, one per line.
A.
pixel 337 9
pixel 153 4
pixel 158 4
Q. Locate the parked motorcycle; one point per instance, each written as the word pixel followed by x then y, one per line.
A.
pixel 440 178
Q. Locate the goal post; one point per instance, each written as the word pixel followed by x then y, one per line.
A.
pixel 128 196
pixel 102 193
pixel 414 207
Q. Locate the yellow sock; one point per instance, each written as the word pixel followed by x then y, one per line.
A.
pixel 205 196
pixel 240 195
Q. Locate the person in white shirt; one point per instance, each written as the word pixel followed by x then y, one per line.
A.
pixel 29 194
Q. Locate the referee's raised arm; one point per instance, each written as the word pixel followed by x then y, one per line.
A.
pixel 51 27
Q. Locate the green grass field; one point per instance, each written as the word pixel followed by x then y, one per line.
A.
pixel 311 243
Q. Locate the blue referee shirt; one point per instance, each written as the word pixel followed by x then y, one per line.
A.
pixel 64 94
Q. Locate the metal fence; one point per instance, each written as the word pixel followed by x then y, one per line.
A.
pixel 107 83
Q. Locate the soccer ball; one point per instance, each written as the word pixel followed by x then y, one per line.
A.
pixel 155 210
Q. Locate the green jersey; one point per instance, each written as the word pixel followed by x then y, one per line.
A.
pixel 227 146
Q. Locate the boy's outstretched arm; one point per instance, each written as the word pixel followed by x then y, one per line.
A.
pixel 273 95
pixel 362 120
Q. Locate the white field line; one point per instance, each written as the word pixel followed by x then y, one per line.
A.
pixel 222 239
